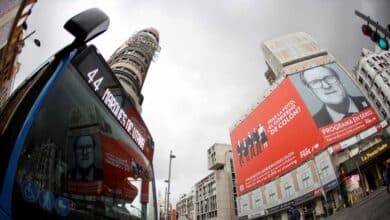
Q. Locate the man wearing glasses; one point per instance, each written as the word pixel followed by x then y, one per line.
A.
pixel 84 154
pixel 325 84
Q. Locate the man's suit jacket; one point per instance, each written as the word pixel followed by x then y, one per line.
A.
pixel 323 118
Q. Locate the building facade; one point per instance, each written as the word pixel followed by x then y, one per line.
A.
pixel 213 197
pixel 333 167
pixel 373 77
pixel 215 194
pixel 13 17
pixel 186 206
pixel 131 61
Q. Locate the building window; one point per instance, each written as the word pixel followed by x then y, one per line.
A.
pixel 383 112
pixel 245 207
pixel 306 181
pixel 257 202
pixel 288 190
pixel 378 104
pixel 382 94
pixel 372 96
pixel 366 87
pixel 324 168
pixel 360 79
pixel 272 195
pixel 364 71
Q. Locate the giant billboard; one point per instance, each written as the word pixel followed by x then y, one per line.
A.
pixel 307 112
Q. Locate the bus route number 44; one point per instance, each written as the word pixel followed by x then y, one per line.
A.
pixel 95 82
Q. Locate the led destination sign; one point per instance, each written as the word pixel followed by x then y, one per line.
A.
pixel 101 79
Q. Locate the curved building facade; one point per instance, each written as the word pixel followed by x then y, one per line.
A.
pixel 131 61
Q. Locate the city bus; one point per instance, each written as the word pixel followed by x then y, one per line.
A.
pixel 72 144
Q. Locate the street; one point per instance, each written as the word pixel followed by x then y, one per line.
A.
pixel 374 206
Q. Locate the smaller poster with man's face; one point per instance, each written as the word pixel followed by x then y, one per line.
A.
pixel 337 106
pixel 84 161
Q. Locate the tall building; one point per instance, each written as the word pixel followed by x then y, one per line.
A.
pixel 13 16
pixel 312 140
pixel 373 77
pixel 214 194
pixel 131 61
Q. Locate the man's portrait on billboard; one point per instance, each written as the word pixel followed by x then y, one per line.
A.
pixel 329 94
pixel 84 153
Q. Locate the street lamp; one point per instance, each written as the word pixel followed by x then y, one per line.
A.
pixel 171 156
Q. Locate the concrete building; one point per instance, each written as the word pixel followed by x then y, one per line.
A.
pixel 373 76
pixel 131 61
pixel 213 197
pixel 215 194
pixel 186 206
pixel 340 173
pixel 13 16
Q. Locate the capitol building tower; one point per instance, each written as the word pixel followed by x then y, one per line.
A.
pixel 131 61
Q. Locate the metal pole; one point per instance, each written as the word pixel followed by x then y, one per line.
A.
pixel 165 204
pixel 325 197
pixel 171 156
pixel 29 35
pixel 373 23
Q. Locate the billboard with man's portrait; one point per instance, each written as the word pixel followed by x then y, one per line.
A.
pixel 307 112
pixel 337 106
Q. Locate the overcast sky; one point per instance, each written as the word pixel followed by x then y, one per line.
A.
pixel 210 70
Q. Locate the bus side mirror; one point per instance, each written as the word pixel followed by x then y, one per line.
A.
pixel 87 25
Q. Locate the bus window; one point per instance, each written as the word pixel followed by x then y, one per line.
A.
pixel 78 161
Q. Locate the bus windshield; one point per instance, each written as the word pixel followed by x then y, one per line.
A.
pixel 80 159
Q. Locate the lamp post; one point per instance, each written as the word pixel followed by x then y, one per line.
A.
pixel 165 201
pixel 171 156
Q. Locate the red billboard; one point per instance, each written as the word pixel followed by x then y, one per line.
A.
pixel 113 175
pixel 291 125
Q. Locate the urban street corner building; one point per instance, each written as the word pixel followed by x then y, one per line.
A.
pixel 306 140
pixel 131 61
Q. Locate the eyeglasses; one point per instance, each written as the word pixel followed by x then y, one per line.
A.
pixel 317 83
pixel 84 147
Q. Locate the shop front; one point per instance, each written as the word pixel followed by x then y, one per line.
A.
pixel 363 173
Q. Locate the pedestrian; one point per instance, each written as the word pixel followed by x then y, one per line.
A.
pixel 294 213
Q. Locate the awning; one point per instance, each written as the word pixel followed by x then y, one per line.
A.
pixel 364 157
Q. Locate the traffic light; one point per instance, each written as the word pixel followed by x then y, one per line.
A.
pixel 366 29
pixel 383 43
pixel 375 37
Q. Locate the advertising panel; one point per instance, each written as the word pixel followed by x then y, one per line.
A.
pixel 307 112
pixel 271 141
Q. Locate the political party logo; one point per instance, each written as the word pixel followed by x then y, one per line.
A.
pixel 29 191
pixel 62 206
pixel 46 200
